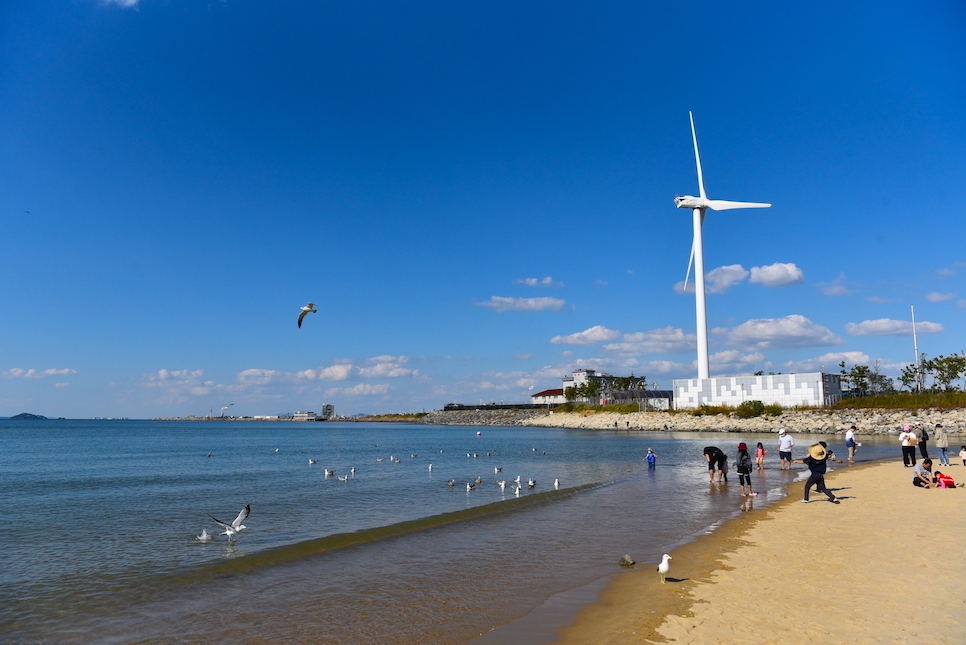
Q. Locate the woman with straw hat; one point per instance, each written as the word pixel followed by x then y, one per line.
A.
pixel 817 462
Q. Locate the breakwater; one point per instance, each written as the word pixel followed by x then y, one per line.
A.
pixel 868 422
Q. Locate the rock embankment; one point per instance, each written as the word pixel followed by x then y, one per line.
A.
pixel 806 421
pixel 482 417
pixel 868 422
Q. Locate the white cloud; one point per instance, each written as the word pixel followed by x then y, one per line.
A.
pixel 791 331
pixel 61 384
pixel 889 327
pixel 523 357
pixel 338 372
pixel 387 366
pixel 666 340
pixel 592 336
pixel 934 296
pixel 127 4
pixel 836 287
pixel 501 303
pixel 828 362
pixel 717 280
pixel 361 389
pixel 732 361
pixel 256 376
pixel 777 275
pixel 539 282
pixel 17 372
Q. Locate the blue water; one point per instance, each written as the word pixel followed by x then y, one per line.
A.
pixel 100 520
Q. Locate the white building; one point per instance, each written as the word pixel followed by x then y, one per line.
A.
pixel 813 389
pixel 549 397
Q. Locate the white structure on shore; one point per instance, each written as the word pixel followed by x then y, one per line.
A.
pixel 549 397
pixel 700 205
pixel 813 390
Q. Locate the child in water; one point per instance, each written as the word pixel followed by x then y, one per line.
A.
pixel 651 458
pixel 744 470
pixel 760 453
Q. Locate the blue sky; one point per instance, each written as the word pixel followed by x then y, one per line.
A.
pixel 477 196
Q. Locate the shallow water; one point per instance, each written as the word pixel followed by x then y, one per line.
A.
pixel 101 517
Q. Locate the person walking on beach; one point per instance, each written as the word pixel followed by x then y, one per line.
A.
pixel 743 467
pixel 817 462
pixel 922 436
pixel 850 443
pixel 760 453
pixel 942 444
pixel 962 454
pixel 785 443
pixel 908 440
pixel 717 460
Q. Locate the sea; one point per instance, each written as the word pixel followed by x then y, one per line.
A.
pixel 100 525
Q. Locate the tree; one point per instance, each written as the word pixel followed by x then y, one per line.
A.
pixel 946 369
pixel 879 383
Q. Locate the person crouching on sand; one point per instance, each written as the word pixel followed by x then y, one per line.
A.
pixel 743 467
pixel 922 476
pixel 817 462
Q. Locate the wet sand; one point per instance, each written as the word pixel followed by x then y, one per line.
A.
pixel 884 566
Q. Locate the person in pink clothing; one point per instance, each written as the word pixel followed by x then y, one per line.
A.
pixel 760 453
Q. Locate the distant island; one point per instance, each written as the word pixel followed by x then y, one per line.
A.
pixel 26 416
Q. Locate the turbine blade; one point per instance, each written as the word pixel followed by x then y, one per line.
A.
pixel 723 205
pixel 690 262
pixel 697 159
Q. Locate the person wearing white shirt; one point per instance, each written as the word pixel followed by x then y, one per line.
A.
pixel 850 443
pixel 908 440
pixel 785 443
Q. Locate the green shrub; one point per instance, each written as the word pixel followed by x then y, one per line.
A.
pixel 711 410
pixel 749 409
pixel 773 410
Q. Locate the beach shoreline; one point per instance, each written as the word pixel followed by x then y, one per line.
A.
pixel 796 573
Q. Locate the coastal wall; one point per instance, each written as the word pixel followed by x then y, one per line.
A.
pixel 808 421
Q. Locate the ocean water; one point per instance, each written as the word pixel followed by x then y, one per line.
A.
pixel 100 522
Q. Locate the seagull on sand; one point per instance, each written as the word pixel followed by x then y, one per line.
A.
pixel 235 527
pixel 309 308
pixel 664 567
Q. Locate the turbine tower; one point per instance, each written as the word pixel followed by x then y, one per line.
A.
pixel 698 206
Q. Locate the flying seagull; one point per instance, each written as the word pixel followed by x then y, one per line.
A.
pixel 309 308
pixel 235 527
pixel 664 567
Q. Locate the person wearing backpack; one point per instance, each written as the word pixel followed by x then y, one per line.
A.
pixel 922 436
pixel 744 470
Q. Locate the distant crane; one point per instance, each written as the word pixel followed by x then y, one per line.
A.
pixel 225 408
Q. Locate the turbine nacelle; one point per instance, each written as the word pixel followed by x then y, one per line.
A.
pixel 690 201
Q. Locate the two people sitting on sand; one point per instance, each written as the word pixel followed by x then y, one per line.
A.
pixel 923 477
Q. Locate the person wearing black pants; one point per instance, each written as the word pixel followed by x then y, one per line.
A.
pixel 908 440
pixel 817 462
pixel 923 437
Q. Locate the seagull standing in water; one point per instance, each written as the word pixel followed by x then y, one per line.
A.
pixel 231 530
pixel 309 308
pixel 664 567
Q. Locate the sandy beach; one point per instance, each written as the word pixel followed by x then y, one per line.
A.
pixel 884 566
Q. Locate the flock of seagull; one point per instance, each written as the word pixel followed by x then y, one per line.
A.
pixel 516 486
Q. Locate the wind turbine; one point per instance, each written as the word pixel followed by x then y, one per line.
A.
pixel 698 206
